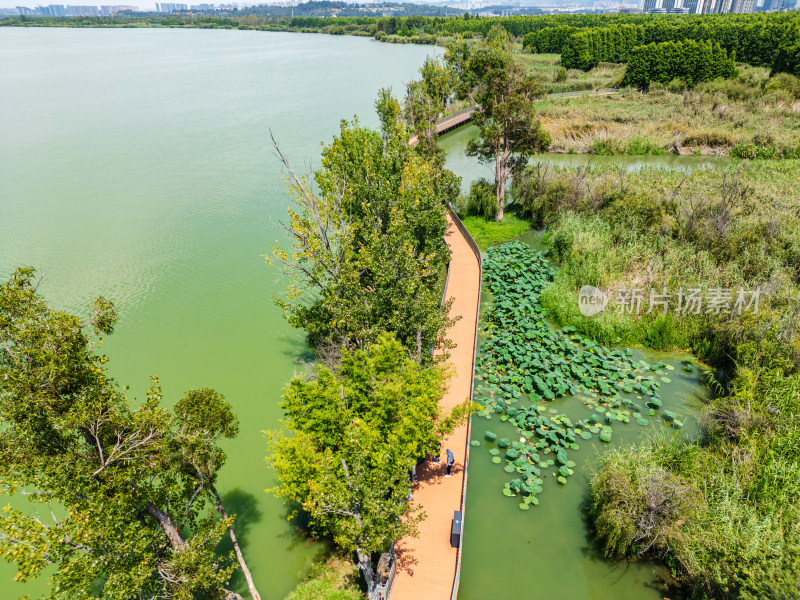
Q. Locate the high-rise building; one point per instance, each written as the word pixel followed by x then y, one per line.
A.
pixel 168 7
pixel 83 11
pixel 112 10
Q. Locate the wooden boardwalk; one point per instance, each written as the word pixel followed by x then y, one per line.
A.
pixel 428 567
pixel 449 122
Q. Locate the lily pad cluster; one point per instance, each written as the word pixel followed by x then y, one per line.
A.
pixel 524 363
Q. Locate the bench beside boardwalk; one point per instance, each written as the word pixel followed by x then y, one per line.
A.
pixel 428 568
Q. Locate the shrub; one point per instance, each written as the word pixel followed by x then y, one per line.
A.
pixel 713 139
pixel 732 89
pixel 639 503
pixel 783 82
pixel 677 86
pixel 482 201
pixel 561 75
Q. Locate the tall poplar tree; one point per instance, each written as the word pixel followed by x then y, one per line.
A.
pixel 368 246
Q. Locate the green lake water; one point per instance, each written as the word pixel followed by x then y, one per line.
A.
pixel 136 164
pixel 546 553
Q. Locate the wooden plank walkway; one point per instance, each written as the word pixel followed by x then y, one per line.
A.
pixel 447 123
pixel 427 566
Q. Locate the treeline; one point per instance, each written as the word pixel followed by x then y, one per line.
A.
pixel 758 39
pixel 771 39
pixel 689 61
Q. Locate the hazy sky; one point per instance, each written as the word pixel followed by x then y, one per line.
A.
pixel 141 5
pixel 150 4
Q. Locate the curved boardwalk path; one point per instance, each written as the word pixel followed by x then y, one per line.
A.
pixel 427 567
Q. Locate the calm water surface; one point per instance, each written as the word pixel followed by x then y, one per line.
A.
pixel 136 164
pixel 470 168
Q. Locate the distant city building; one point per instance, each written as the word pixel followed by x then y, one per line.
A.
pixel 169 7
pixel 83 11
pixel 58 10
pixel 705 7
pixel 112 10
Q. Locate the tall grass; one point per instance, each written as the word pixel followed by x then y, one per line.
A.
pixel 733 531
pixel 713 118
pixel 723 513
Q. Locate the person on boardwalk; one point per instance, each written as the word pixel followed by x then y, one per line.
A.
pixel 450 461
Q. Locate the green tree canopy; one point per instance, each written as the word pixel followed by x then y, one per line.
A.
pixel 368 242
pixel 356 432
pixel 128 492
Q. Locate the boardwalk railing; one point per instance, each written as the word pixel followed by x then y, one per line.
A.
pixel 477 251
pixel 449 123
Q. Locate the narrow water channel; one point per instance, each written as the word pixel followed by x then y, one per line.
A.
pixel 470 169
pixel 546 552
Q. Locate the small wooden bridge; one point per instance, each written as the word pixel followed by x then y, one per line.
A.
pixel 449 123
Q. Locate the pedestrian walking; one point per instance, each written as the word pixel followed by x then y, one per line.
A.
pixel 450 462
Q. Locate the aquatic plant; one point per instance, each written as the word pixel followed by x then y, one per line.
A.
pixel 525 363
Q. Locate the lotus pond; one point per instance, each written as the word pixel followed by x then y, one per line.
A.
pixel 552 401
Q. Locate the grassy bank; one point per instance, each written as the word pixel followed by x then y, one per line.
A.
pixel 491 233
pixel 724 513
pixel 752 111
pixel 334 579
pixel 547 67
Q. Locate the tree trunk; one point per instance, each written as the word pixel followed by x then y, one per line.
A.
pixel 239 556
pixel 500 187
pixel 501 178
pixel 173 535
pixel 365 565
pixel 177 541
pixel 364 560
pixel 498 184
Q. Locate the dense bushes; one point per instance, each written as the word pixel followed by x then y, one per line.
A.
pixel 756 39
pixel 729 524
pixel 689 61
pixel 481 201
pixel 641 498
